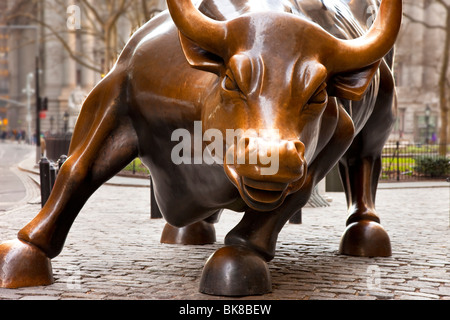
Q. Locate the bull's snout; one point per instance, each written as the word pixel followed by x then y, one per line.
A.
pixel 264 169
pixel 272 160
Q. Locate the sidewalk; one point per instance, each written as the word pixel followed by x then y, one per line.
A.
pixel 29 165
pixel 113 250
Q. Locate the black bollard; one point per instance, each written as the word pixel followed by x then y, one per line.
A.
pixel 53 172
pixel 296 218
pixel 44 171
pixel 155 213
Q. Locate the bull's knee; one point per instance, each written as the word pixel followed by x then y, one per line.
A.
pixel 48 230
pixel 73 172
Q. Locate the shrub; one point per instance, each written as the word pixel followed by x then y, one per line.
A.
pixel 436 167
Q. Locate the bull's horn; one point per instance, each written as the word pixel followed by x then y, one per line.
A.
pixel 375 44
pixel 209 34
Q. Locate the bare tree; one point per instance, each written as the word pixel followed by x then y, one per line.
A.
pixel 443 85
pixel 99 20
pixel 105 15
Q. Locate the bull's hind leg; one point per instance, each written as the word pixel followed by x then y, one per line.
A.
pixel 360 170
pixel 364 235
pixel 198 233
pixel 103 143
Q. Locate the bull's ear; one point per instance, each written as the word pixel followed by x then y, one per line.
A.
pixel 352 85
pixel 199 58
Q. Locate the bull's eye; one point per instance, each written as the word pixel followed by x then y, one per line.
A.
pixel 320 96
pixel 229 84
pixel 317 101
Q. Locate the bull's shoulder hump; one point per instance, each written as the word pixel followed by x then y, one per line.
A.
pixel 156 31
pixel 343 18
pixel 227 10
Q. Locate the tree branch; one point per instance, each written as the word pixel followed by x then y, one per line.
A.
pixel 66 46
pixel 425 24
pixel 94 11
pixel 445 5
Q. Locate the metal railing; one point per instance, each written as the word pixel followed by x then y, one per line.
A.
pixel 406 162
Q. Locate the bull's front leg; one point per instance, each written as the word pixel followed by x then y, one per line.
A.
pixel 240 268
pixel 103 143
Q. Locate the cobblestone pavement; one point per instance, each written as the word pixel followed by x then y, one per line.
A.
pixel 113 252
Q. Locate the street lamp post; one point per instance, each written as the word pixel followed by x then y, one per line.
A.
pixel 29 91
pixel 38 98
pixel 38 111
pixel 427 122
pixel 66 122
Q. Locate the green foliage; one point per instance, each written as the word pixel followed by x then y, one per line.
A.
pixel 433 166
pixel 137 167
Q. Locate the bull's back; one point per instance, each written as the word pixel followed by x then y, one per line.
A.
pixel 343 18
pixel 157 68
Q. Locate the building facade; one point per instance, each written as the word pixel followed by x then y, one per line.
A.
pixel 64 33
pixel 418 61
pixel 65 41
pixel 4 71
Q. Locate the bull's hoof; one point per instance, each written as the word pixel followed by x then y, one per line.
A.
pixel 195 234
pixel 235 271
pixel 23 265
pixel 365 239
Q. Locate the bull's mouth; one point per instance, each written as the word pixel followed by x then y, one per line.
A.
pixel 262 195
pixel 259 195
pixel 263 192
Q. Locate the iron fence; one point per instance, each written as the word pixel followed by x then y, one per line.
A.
pixel 406 162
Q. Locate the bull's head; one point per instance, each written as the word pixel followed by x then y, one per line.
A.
pixel 275 73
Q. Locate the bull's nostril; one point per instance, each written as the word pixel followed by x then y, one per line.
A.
pixel 300 147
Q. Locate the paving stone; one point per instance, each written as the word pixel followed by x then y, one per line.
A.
pixel 37 297
pixel 416 295
pixel 8 294
pixel 115 253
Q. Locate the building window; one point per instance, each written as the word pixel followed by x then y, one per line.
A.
pixel 4 72
pixel 426 128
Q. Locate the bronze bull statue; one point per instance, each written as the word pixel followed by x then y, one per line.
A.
pixel 300 85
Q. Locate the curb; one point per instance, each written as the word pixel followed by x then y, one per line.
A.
pixel 138 182
pixel 143 182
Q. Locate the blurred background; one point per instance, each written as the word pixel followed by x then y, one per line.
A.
pixel 62 48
